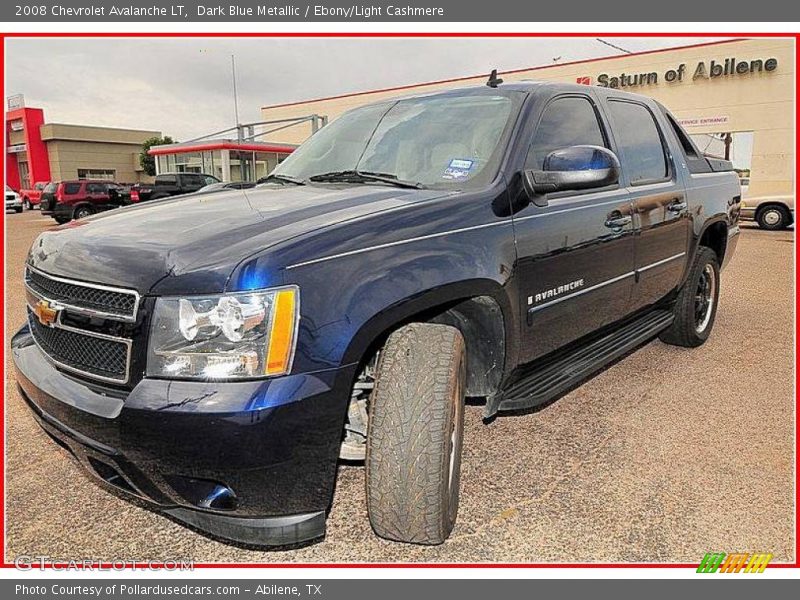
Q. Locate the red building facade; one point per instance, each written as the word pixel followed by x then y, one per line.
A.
pixel 27 160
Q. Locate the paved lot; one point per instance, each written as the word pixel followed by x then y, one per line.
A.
pixel 667 455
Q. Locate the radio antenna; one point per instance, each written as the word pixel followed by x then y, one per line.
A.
pixel 494 81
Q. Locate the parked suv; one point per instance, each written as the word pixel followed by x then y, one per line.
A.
pixel 80 198
pixel 171 184
pixel 214 355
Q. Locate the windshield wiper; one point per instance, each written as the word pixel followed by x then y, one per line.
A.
pixel 354 176
pixel 281 179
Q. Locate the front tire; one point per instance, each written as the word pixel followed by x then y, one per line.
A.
pixel 774 218
pixel 416 425
pixel 696 306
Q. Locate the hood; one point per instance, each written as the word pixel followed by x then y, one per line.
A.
pixel 200 239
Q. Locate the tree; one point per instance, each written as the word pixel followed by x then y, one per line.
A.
pixel 149 162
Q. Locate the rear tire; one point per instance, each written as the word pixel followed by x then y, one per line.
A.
pixel 416 424
pixel 774 218
pixel 82 212
pixel 696 306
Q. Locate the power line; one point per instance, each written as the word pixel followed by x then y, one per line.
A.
pixel 602 41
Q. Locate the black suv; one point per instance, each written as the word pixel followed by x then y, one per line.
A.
pixel 494 242
pixel 171 184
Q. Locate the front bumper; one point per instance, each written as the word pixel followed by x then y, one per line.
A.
pixel 13 204
pixel 250 462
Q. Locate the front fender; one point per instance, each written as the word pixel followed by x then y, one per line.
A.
pixel 429 305
pixel 348 306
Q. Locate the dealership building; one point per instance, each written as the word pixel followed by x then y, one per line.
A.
pixel 38 151
pixel 735 97
pixel 227 159
pixel 239 153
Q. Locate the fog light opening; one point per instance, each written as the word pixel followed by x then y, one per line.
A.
pixel 110 475
pixel 221 498
pixel 204 493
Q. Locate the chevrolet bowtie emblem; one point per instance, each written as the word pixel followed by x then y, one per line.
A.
pixel 45 313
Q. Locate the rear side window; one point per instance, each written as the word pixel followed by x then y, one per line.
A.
pixel 686 143
pixel 568 121
pixel 694 160
pixel 72 188
pixel 636 131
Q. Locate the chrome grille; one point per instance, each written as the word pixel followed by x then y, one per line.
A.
pixel 79 326
pixel 91 299
pixel 100 356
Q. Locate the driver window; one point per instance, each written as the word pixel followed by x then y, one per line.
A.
pixel 567 121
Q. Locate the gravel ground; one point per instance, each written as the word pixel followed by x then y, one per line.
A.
pixel 665 456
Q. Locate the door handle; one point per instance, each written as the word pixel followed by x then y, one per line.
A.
pixel 618 222
pixel 677 206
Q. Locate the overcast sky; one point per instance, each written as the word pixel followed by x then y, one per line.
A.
pixel 182 86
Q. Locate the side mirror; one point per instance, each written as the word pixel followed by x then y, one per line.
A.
pixel 573 168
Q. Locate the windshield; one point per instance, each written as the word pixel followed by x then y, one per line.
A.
pixel 451 141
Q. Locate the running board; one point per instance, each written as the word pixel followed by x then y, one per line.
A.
pixel 552 377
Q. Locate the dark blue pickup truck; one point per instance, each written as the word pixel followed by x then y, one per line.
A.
pixel 216 356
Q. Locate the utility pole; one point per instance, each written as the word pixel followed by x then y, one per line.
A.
pixel 235 99
pixel 728 139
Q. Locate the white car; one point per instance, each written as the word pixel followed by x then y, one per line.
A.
pixel 770 212
pixel 13 201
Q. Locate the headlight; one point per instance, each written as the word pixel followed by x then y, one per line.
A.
pixel 227 336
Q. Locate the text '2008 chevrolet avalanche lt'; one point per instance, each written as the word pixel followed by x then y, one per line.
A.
pixel 215 356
